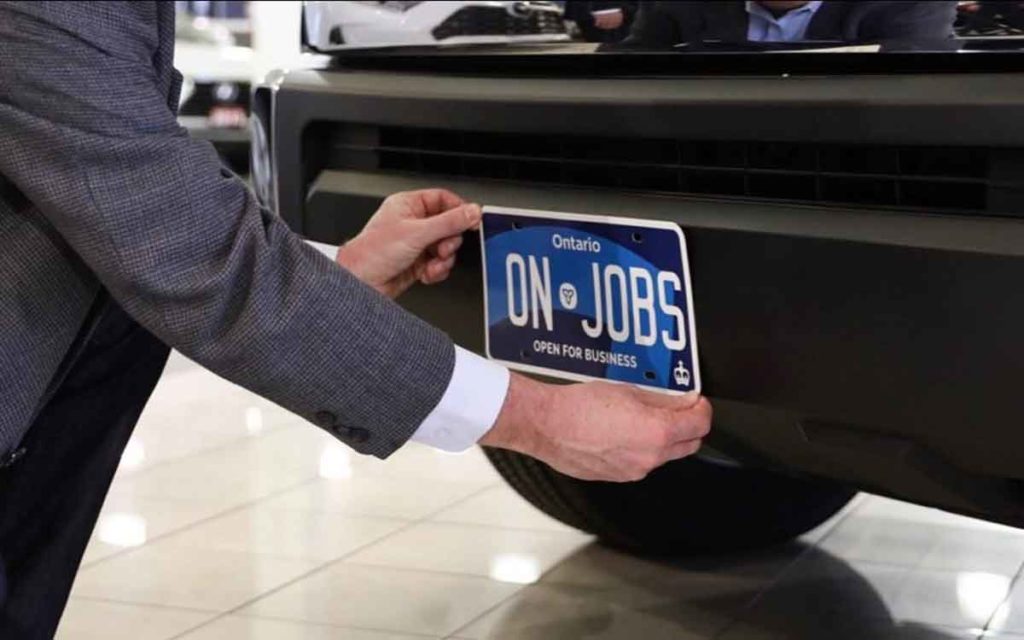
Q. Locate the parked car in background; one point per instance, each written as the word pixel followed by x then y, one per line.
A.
pixel 216 88
pixel 340 26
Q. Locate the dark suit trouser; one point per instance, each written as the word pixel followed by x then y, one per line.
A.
pixel 51 496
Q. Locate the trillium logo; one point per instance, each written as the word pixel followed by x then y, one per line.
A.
pixel 567 294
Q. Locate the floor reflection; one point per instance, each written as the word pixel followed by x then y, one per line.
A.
pixel 230 518
pixel 122 529
pixel 795 592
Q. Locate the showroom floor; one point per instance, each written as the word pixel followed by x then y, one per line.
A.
pixel 232 519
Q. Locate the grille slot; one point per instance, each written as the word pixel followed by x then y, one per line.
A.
pixel 908 177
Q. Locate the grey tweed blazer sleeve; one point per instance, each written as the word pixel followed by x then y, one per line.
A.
pixel 88 135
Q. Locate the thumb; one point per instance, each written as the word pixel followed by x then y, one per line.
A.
pixel 692 422
pixel 672 402
pixel 448 223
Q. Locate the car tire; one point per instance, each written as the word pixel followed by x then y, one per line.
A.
pixel 686 507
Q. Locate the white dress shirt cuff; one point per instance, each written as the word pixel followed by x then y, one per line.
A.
pixel 469 406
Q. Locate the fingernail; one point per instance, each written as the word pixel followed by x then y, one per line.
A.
pixel 473 212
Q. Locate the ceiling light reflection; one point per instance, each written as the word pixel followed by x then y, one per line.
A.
pixel 134 454
pixel 979 594
pixel 253 420
pixel 122 529
pixel 335 462
pixel 516 568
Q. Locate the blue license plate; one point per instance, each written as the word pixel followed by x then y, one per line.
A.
pixel 584 297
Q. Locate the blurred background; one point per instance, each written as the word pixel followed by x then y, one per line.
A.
pixel 224 46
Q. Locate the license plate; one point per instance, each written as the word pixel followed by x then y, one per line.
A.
pixel 589 297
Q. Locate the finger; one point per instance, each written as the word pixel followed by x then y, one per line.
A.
pixel 691 423
pixel 452 222
pixel 669 401
pixel 437 270
pixel 438 279
pixel 447 248
pixel 419 266
pixel 443 267
pixel 669 426
pixel 681 450
pixel 435 201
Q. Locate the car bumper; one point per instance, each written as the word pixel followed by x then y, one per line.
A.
pixel 873 346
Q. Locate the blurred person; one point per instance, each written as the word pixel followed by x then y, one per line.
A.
pixel 121 237
pixel 605 21
pixel 664 24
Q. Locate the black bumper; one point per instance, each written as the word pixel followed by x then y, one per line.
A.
pixel 879 347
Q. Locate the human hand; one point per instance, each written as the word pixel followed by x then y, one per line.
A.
pixel 599 430
pixel 412 237
pixel 608 20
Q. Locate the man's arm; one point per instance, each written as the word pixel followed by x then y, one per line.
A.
pixel 88 137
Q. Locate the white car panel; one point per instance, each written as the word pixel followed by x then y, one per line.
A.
pixel 372 24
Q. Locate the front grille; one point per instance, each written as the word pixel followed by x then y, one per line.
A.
pixel 910 177
pixel 496 21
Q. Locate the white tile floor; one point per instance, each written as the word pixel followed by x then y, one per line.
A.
pixel 232 519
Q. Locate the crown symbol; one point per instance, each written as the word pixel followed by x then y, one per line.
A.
pixel 681 374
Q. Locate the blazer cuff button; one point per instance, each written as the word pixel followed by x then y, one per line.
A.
pixel 354 435
pixel 12 457
pixel 325 419
pixel 357 435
